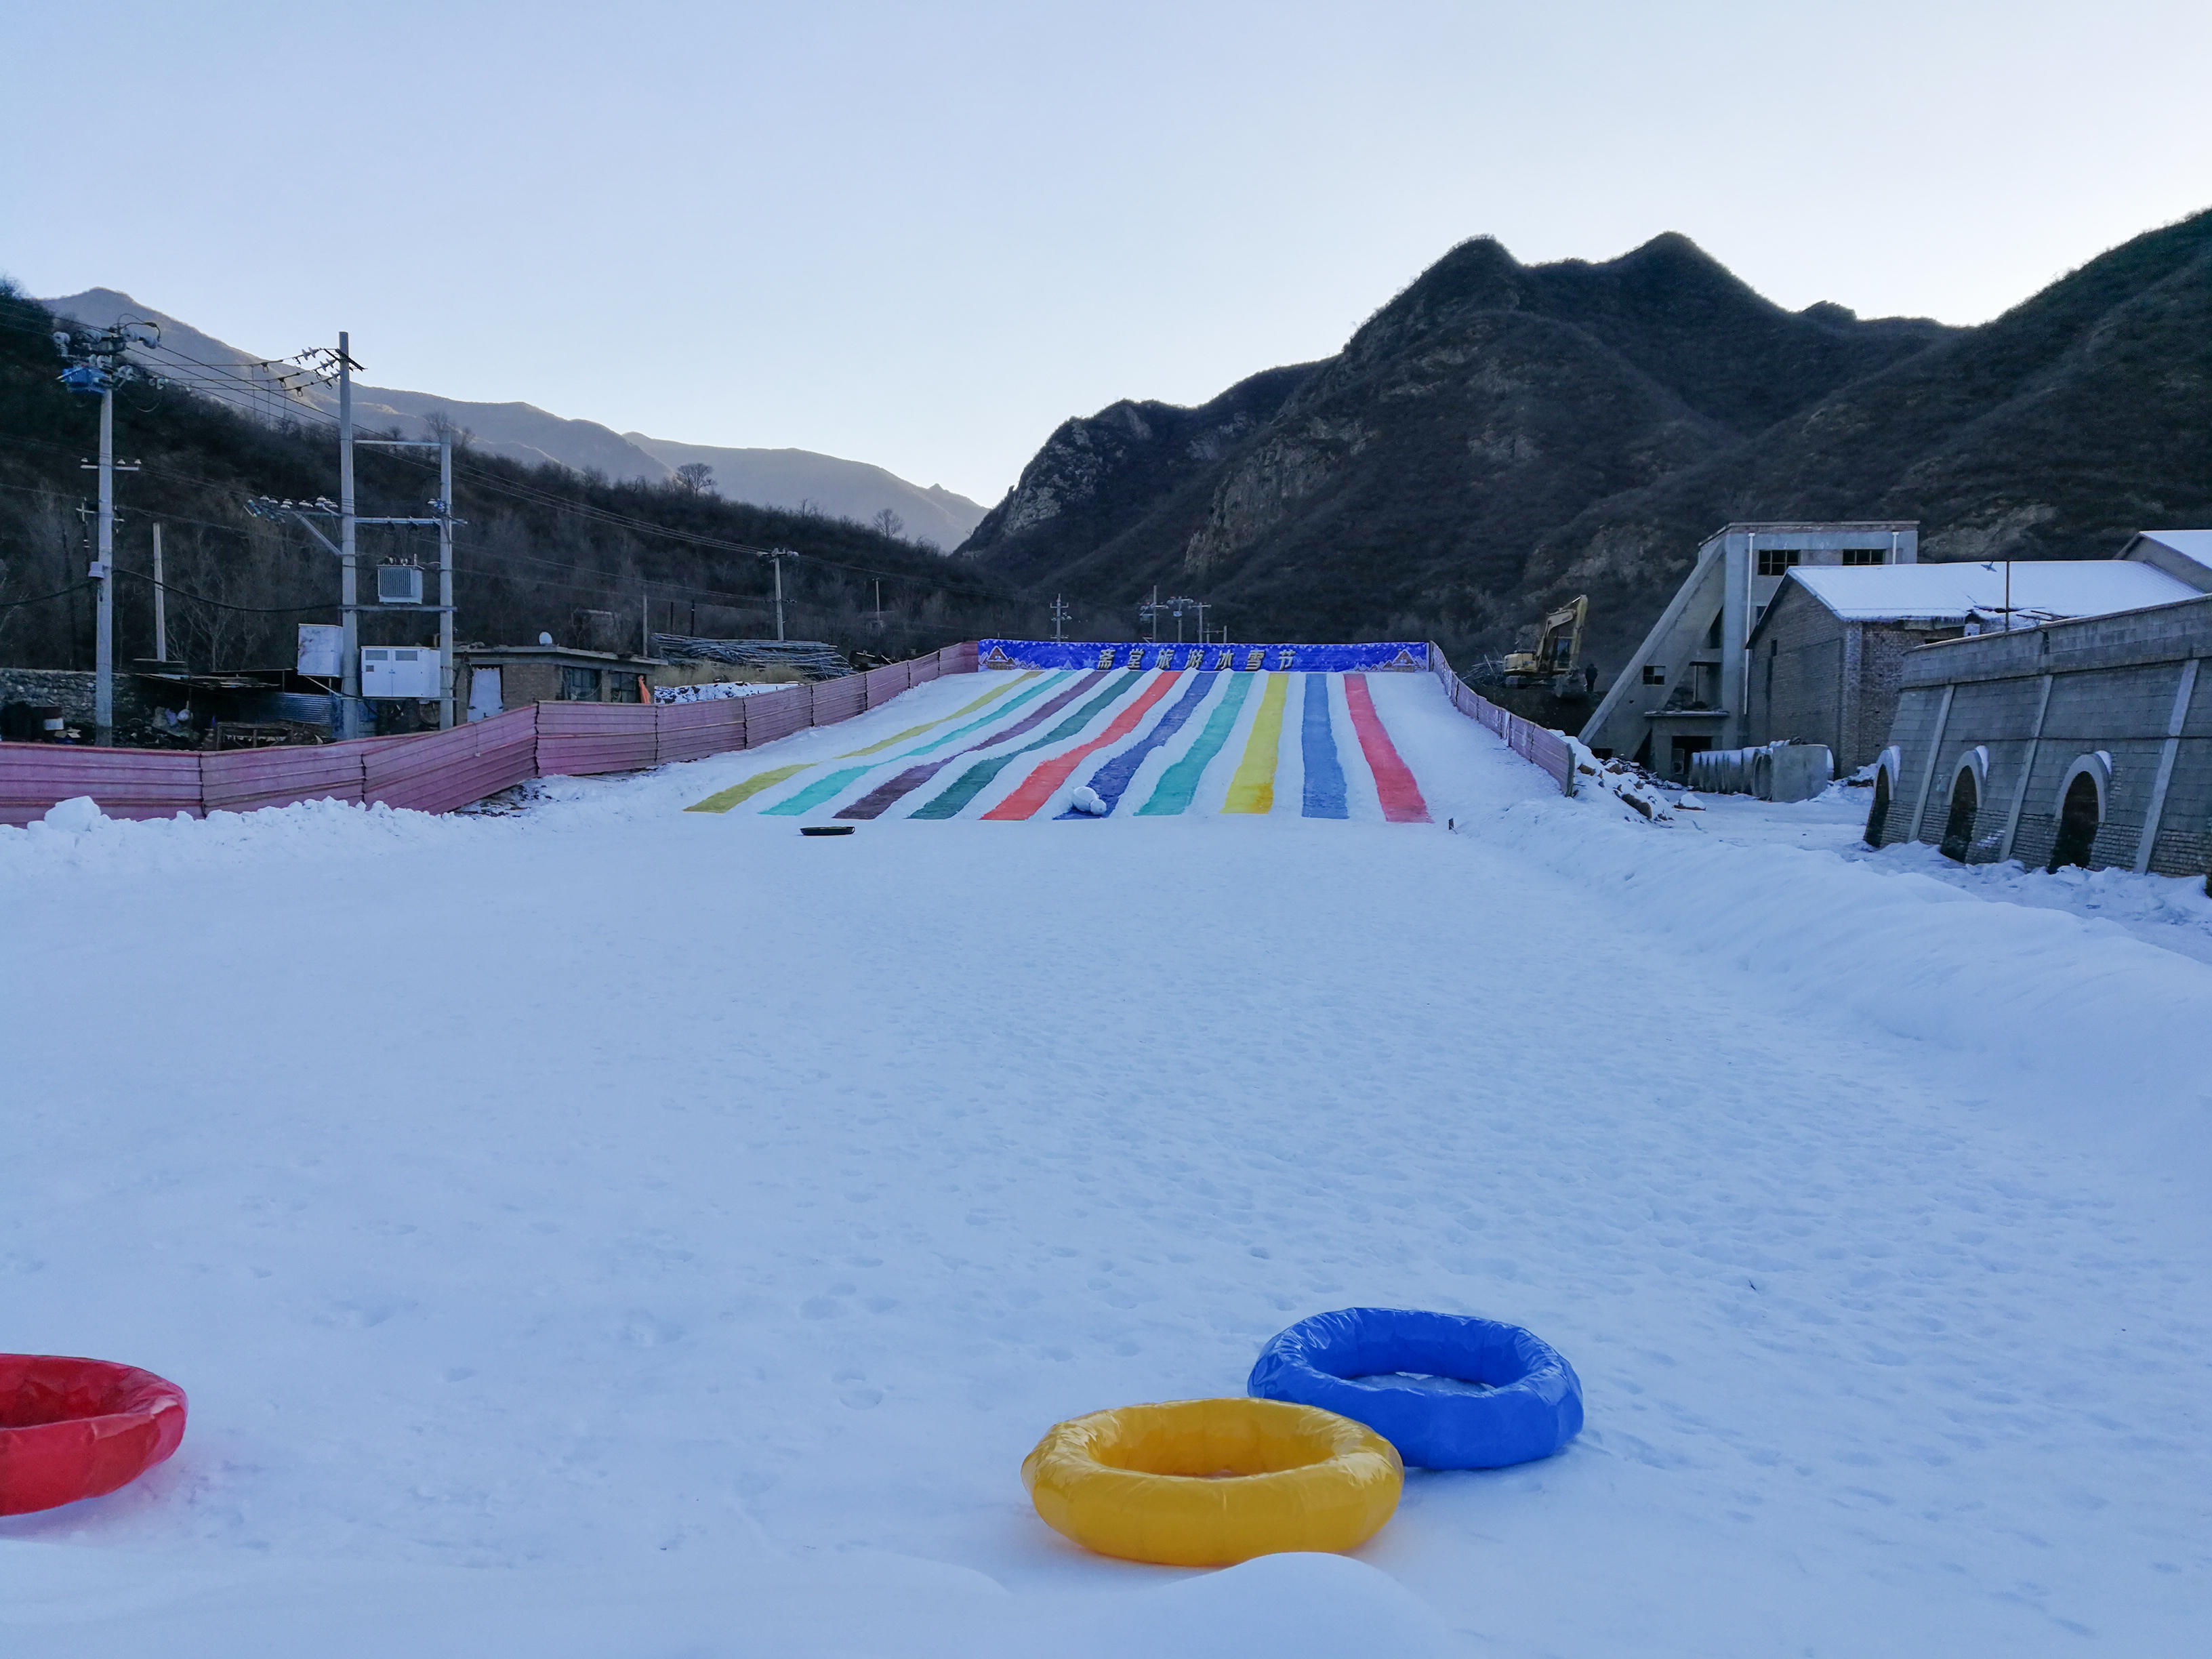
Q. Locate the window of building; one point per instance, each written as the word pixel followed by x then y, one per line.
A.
pixel 1773 561
pixel 1653 675
pixel 580 684
pixel 1865 555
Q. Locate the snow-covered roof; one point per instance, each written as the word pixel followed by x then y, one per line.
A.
pixel 2195 545
pixel 2043 590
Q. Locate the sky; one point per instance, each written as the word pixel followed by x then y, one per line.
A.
pixel 923 235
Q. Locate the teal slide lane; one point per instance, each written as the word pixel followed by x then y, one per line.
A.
pixel 1179 783
pixel 977 778
pixel 836 783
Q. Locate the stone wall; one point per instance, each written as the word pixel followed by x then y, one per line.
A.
pixel 72 689
pixel 2036 701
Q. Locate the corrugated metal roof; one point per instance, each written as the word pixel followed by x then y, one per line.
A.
pixel 2042 589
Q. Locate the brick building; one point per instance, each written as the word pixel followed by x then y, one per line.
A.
pixel 1828 654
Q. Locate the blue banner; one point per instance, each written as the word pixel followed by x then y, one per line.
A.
pixel 1391 657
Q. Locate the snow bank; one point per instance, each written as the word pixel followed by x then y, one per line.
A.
pixel 2076 1022
pixel 77 836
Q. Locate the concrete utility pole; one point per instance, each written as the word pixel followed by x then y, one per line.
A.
pixel 1060 614
pixel 446 711
pixel 103 576
pixel 1150 611
pixel 96 363
pixel 776 556
pixel 161 603
pixel 348 586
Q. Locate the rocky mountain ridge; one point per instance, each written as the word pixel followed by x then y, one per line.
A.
pixel 1498 436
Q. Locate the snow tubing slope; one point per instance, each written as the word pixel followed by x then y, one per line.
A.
pixel 1145 744
pixel 1380 1366
pixel 79 1428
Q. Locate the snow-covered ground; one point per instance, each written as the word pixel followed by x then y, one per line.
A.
pixel 610 1229
pixel 2172 911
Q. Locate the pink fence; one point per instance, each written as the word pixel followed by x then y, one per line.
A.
pixel 439 771
pixel 1539 745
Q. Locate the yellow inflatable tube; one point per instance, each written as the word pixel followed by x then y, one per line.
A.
pixel 1207 1483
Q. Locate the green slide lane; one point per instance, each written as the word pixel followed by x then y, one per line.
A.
pixel 1179 781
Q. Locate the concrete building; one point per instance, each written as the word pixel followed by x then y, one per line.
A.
pixel 2086 742
pixel 1828 655
pixel 1686 688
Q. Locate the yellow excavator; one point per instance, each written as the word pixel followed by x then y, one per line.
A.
pixel 1557 660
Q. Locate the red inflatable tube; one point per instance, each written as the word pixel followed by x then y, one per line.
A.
pixel 77 1428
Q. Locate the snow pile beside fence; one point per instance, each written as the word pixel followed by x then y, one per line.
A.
pixel 2071 1020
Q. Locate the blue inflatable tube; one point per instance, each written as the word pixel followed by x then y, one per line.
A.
pixel 1357 1363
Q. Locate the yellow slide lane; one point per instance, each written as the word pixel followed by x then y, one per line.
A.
pixel 1252 788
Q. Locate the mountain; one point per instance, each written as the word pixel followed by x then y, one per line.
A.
pixel 1500 435
pixel 800 481
pixel 2053 432
pixel 788 478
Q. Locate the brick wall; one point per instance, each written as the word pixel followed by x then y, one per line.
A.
pixel 1797 688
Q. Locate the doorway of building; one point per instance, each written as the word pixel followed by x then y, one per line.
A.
pixel 1683 748
pixel 1878 814
pixel 1959 827
pixel 2077 823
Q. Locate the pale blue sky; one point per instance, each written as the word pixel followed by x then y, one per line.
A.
pixel 922 235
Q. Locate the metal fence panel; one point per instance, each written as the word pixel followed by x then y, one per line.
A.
pixel 241 779
pixel 127 783
pixel 441 770
pixel 575 739
pixel 692 731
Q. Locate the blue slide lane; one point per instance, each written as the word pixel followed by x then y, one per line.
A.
pixel 1324 772
pixel 1111 780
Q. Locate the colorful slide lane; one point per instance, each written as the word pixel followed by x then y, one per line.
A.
pixel 1148 744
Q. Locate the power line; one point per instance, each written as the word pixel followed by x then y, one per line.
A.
pixel 43 599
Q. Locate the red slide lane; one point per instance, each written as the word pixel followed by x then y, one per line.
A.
pixel 1393 779
pixel 1037 788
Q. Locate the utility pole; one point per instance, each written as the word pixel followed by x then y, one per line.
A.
pixel 776 556
pixel 1178 606
pixel 1150 611
pixel 160 602
pixel 96 363
pixel 348 587
pixel 879 607
pixel 103 575
pixel 441 519
pixel 1060 615
pixel 644 620
pixel 446 710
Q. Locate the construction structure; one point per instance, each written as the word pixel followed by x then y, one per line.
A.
pixel 1685 689
pixel 1556 660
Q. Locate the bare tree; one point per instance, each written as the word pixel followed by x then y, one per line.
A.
pixel 696 478
pixel 444 428
pixel 887 523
